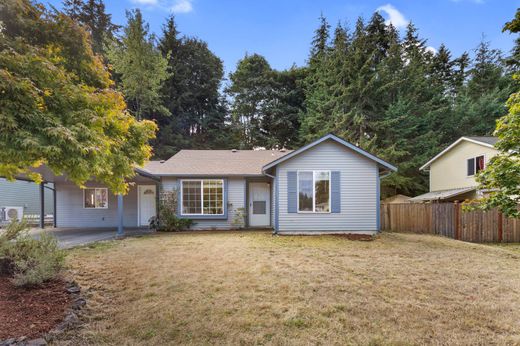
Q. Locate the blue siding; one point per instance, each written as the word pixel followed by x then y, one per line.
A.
pixel 378 200
pixel 292 198
pixel 71 213
pixel 335 187
pixel 358 191
pixel 25 194
pixel 277 204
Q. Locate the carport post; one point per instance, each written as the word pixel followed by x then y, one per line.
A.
pixel 120 231
pixel 54 221
pixel 42 205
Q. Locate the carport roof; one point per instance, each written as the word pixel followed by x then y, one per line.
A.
pixel 442 195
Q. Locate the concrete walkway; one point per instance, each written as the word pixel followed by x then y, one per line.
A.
pixel 72 237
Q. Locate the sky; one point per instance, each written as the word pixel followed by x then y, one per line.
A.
pixel 281 30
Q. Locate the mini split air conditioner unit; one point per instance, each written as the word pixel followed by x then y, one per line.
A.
pixel 13 213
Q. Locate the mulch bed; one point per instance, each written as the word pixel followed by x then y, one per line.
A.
pixel 34 311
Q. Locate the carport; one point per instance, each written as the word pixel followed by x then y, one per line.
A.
pixel 71 211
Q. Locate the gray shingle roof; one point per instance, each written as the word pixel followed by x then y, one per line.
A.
pixel 215 162
pixel 484 139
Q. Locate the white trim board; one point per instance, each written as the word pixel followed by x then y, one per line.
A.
pixel 336 139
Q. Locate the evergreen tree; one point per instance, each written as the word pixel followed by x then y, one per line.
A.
pixel 141 68
pixel 191 94
pixel 250 89
pixel 92 14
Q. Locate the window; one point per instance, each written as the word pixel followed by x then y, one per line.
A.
pixel 314 191
pixel 202 197
pixel 475 165
pixel 95 198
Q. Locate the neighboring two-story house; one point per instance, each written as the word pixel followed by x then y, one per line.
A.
pixel 453 170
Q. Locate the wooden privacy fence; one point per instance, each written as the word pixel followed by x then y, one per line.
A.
pixel 448 219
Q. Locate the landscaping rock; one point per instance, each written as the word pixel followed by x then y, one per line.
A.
pixel 73 289
pixel 36 342
pixel 8 342
pixel 79 303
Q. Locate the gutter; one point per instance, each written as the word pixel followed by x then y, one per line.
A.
pixel 147 175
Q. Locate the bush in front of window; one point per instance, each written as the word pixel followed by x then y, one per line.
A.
pixel 29 261
pixel 168 220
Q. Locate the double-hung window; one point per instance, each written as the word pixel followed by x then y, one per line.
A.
pixel 314 191
pixel 95 198
pixel 202 197
pixel 475 165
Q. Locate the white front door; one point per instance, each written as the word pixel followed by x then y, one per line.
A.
pixel 259 205
pixel 147 199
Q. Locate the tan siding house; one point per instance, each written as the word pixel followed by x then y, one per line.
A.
pixel 452 171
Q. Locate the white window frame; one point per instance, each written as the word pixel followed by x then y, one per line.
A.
pixel 475 164
pixel 95 188
pixel 313 192
pixel 202 197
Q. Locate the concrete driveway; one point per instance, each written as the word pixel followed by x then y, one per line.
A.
pixel 71 237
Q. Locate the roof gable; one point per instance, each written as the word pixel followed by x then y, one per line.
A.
pixel 335 138
pixel 482 140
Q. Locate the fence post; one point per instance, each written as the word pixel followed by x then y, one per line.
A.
pixel 388 225
pixel 500 227
pixel 456 219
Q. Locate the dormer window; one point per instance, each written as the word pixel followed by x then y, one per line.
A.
pixel 475 165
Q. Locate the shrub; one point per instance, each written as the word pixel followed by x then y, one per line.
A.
pixel 168 220
pixel 239 219
pixel 28 260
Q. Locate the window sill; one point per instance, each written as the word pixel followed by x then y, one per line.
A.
pixel 313 212
pixel 204 217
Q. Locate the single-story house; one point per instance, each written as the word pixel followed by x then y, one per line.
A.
pixel 327 186
pixel 453 170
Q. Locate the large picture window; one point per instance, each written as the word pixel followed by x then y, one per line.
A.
pixel 314 191
pixel 95 198
pixel 202 197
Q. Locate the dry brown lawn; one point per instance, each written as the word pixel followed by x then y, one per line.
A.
pixel 254 288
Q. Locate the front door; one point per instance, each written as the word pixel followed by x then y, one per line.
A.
pixel 259 205
pixel 147 199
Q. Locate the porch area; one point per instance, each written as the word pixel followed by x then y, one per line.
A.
pixel 72 237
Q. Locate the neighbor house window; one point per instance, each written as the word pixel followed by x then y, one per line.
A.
pixel 95 198
pixel 314 191
pixel 475 165
pixel 202 197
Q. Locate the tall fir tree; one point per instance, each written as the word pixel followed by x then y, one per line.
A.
pixel 92 14
pixel 140 67
pixel 191 94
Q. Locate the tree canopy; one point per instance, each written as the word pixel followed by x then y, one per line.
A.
pixel 384 90
pixel 501 179
pixel 57 104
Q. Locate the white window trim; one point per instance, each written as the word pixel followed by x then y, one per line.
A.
pixel 475 165
pixel 313 192
pixel 201 197
pixel 94 188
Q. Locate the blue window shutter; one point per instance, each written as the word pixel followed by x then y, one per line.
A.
pixel 335 188
pixel 179 193
pixel 292 199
